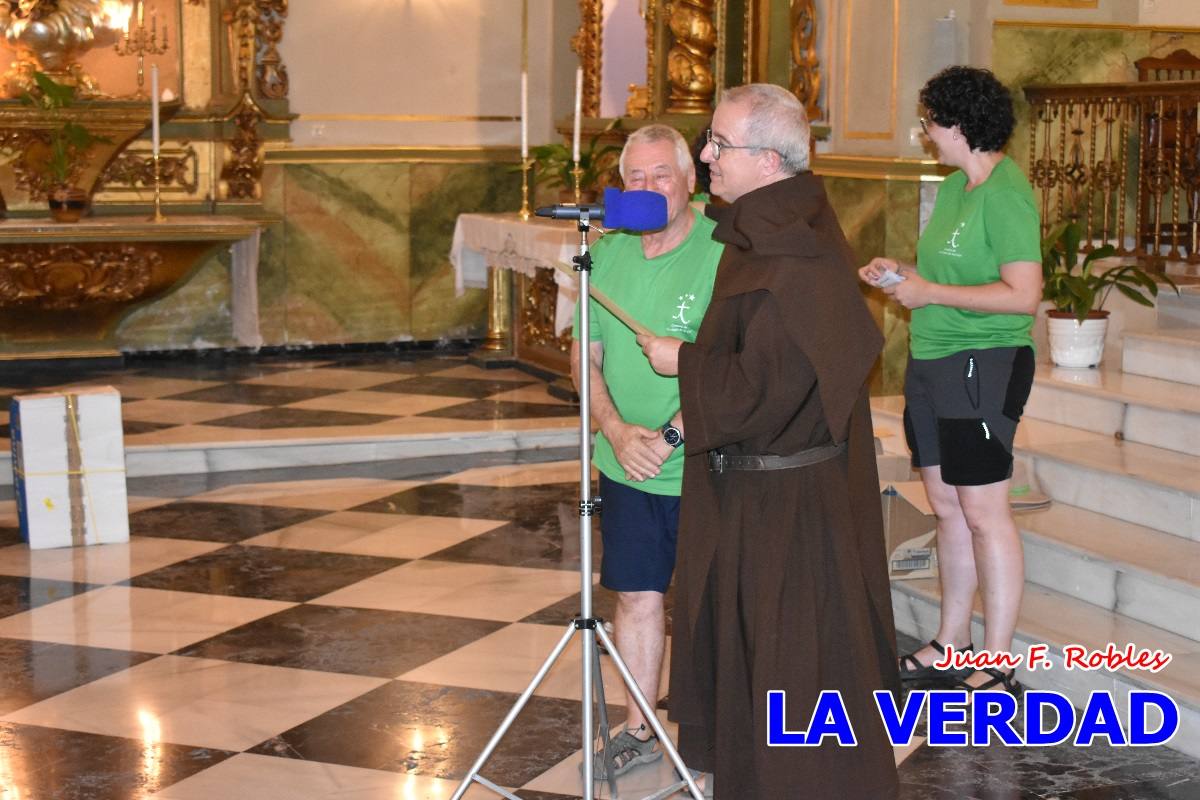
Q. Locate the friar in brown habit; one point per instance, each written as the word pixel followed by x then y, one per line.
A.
pixel 782 576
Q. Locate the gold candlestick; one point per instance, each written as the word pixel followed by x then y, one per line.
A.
pixel 141 42
pixel 577 174
pixel 526 165
pixel 158 215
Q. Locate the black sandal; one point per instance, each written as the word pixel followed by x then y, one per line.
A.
pixel 913 670
pixel 1005 680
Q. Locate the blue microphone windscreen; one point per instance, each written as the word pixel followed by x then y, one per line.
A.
pixel 636 210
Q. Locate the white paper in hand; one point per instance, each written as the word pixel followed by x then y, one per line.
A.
pixel 889 278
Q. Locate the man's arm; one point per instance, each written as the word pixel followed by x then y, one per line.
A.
pixel 640 451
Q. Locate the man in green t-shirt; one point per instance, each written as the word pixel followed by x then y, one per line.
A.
pixel 664 280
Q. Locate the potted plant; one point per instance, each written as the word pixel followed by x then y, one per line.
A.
pixel 57 157
pixel 1078 291
pixel 553 165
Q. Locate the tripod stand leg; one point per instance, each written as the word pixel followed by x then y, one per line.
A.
pixel 473 775
pixel 648 712
pixel 602 725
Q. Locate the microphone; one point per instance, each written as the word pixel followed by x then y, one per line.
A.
pixel 636 210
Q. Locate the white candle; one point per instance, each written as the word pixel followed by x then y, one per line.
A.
pixel 141 8
pixel 524 115
pixel 154 107
pixel 578 111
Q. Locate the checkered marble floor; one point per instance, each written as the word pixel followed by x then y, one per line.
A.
pixel 278 399
pixel 358 631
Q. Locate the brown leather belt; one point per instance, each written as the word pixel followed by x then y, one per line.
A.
pixel 719 462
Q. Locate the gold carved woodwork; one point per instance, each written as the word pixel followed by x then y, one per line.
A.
pixel 587 45
pixel 640 103
pixel 133 170
pixel 71 276
pixel 49 36
pixel 241 176
pixel 806 66
pixel 69 286
pixel 689 62
pixel 270 72
pixel 253 26
pixel 25 143
pixel 538 312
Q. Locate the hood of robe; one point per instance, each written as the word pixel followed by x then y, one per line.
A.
pixel 784 238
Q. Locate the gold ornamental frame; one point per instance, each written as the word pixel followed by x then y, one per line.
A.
pixel 695 48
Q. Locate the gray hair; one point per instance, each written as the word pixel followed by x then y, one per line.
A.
pixel 776 120
pixel 660 133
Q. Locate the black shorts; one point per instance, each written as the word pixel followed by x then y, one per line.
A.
pixel 961 412
pixel 639 530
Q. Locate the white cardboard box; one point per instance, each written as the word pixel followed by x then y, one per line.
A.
pixel 69 468
pixel 911 530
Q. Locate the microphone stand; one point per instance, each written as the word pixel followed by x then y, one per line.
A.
pixel 589 626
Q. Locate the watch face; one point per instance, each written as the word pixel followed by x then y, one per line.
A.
pixel 672 436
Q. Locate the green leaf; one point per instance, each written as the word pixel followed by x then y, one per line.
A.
pixel 57 95
pixel 1134 295
pixel 1071 238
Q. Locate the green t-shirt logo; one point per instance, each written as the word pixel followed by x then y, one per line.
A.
pixel 685 303
pixel 951 248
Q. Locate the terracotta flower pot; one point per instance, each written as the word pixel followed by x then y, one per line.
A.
pixel 67 204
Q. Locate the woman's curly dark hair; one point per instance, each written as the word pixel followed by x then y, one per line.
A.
pixel 973 100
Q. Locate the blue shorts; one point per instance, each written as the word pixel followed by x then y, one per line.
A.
pixel 639 531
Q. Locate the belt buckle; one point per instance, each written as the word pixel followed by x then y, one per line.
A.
pixel 716 461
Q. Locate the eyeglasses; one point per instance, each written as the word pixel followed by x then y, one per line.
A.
pixel 717 147
pixel 924 125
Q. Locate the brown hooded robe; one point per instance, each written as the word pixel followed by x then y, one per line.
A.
pixel 782 577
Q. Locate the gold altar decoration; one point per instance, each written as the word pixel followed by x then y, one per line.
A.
pixel 643 98
pixel 806 66
pixel 141 41
pixel 270 72
pixel 49 35
pixel 24 133
pixel 68 277
pixel 242 173
pixel 257 27
pixel 586 43
pixel 132 169
pixel 689 62
pixel 537 335
pixel 72 284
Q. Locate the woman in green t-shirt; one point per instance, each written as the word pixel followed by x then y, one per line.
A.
pixel 973 292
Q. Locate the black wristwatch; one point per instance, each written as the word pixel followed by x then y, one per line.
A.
pixel 672 435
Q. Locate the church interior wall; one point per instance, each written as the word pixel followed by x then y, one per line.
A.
pixel 406 116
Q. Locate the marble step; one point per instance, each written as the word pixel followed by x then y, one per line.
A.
pixel 1146 575
pixel 1130 407
pixel 189 458
pixel 1138 483
pixel 1057 620
pixel 1179 311
pixel 1172 354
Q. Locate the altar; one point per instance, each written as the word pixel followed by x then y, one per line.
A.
pixel 65 288
pixel 103 113
pixel 516 260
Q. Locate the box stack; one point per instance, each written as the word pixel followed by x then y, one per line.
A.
pixel 69 468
